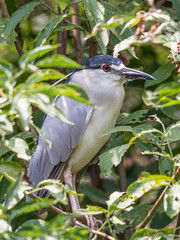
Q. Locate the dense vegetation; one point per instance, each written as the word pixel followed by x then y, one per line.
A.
pixel 134 189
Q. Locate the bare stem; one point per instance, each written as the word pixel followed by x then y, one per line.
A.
pixel 51 207
pixel 96 232
pixel 158 202
pixel 77 33
pixel 4 9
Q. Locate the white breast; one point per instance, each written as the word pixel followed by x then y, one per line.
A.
pixel 103 118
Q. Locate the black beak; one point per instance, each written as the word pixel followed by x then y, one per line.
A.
pixel 132 74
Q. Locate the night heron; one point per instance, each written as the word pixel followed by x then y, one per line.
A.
pixel 75 146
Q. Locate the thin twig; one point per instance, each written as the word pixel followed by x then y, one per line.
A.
pixel 122 176
pixel 94 231
pixel 177 232
pixel 77 33
pixel 61 40
pixel 158 202
pixel 51 207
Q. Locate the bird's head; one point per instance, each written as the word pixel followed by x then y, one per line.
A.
pixel 113 68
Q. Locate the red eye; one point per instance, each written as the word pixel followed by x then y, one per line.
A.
pixel 106 68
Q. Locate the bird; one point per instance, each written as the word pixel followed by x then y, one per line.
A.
pixel 74 146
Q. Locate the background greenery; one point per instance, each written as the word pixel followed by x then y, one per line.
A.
pixel 40 42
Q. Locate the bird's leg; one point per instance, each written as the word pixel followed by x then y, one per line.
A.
pixel 70 179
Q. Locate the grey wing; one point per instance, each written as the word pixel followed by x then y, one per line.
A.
pixel 48 162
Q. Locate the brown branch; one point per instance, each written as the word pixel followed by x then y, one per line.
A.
pixel 158 202
pixel 51 207
pixel 177 232
pixel 92 47
pixel 122 176
pixel 77 33
pixel 61 40
pixel 4 9
pixel 95 232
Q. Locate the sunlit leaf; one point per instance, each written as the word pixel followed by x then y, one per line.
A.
pixel 134 117
pixel 151 234
pixel 58 61
pixel 114 197
pixel 18 146
pixel 35 53
pixel 15 194
pixel 17 16
pixel 43 75
pixel 6 67
pixel 111 158
pixel 95 13
pixel 140 187
pixel 6 127
pixel 119 129
pixel 172 200
pixel 31 207
pixel 46 32
pixel 11 170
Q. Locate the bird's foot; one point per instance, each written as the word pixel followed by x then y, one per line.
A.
pixel 92 222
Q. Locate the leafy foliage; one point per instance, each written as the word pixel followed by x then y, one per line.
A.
pixel 141 35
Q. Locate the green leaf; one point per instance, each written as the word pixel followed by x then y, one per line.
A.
pixel 111 157
pixel 165 166
pixel 161 74
pixel 119 129
pixel 31 207
pixel 15 194
pixel 17 16
pixel 123 45
pixel 58 61
pixel 57 190
pixel 5 226
pixel 176 6
pixel 68 27
pixel 43 102
pixel 172 112
pixel 114 197
pixel 95 13
pixel 6 67
pixel 43 75
pixel 134 117
pixel 18 146
pixel 146 131
pixel 136 215
pixel 110 9
pixel 22 106
pixel 172 200
pixel 140 187
pixel 93 193
pixel 92 210
pixel 46 32
pixel 35 53
pixel 6 127
pixel 173 133
pixel 10 170
pixel 151 234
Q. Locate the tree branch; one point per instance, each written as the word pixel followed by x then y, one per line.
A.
pixel 95 232
pixel 51 207
pixel 4 9
pixel 62 41
pixel 77 33
pixel 158 202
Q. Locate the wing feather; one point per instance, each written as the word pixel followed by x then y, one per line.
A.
pixel 48 162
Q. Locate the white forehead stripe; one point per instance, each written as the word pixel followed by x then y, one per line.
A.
pixel 115 67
